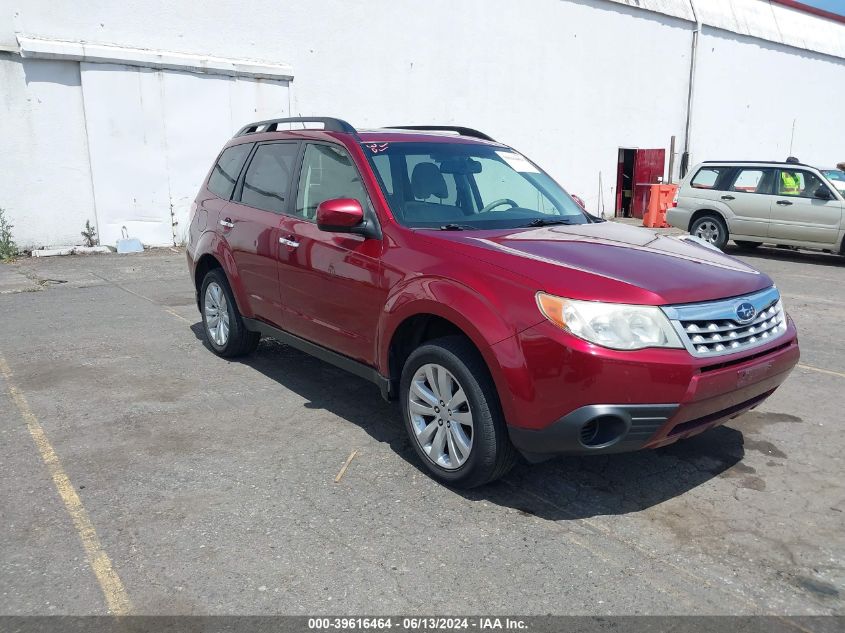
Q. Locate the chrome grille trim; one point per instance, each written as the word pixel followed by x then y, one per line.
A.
pixel 714 329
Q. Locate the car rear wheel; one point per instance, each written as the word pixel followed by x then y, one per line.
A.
pixel 710 228
pixel 747 245
pixel 452 414
pixel 224 328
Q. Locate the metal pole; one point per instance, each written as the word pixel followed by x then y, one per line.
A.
pixel 685 159
pixel 671 160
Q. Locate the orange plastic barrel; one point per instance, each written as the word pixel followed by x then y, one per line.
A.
pixel 659 199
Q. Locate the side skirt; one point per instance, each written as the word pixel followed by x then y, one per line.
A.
pixel 355 367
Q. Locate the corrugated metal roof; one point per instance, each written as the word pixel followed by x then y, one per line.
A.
pixel 765 20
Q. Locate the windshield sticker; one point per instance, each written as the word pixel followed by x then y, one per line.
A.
pixel 518 162
pixel 375 148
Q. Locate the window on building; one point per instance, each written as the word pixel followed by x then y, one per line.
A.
pixel 222 180
pixel 268 176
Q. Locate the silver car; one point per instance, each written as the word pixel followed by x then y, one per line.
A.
pixel 753 203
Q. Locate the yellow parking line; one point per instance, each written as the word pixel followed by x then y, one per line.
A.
pixel 822 371
pixel 115 594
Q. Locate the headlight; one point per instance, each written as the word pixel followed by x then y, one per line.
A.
pixel 613 325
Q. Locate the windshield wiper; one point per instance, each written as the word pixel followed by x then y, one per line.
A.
pixel 456 227
pixel 545 222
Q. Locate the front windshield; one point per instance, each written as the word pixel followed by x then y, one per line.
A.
pixel 836 176
pixel 468 186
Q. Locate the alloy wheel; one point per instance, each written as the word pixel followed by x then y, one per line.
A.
pixel 441 416
pixel 708 230
pixel 216 314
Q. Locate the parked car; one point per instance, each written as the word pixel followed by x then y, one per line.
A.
pixel 836 177
pixel 753 203
pixel 456 275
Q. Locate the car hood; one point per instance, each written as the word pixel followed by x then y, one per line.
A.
pixel 610 261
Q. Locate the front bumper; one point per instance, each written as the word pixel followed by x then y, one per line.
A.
pixel 659 398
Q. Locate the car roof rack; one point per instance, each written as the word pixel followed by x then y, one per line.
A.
pixel 463 131
pixel 330 124
pixel 755 162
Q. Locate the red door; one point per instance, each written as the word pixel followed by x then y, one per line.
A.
pixel 330 283
pixel 253 238
pixel 648 168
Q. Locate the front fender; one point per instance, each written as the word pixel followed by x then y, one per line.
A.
pixel 476 316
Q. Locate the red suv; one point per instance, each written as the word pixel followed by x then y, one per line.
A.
pixel 455 274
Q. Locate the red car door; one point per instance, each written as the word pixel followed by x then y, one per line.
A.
pixel 251 225
pixel 330 282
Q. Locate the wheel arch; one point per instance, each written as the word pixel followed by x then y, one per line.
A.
pixel 407 327
pixel 217 254
pixel 707 211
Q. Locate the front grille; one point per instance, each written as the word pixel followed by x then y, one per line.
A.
pixel 715 328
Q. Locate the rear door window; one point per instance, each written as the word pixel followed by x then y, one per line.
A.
pixel 268 176
pixel 752 180
pixel 223 177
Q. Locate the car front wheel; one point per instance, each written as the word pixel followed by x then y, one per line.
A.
pixel 452 414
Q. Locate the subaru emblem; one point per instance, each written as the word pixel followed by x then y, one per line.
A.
pixel 745 312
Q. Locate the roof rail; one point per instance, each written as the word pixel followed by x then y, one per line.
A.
pixel 330 124
pixel 755 162
pixel 463 131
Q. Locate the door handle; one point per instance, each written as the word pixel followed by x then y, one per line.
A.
pixel 288 242
pixel 728 198
pixel 227 223
pixel 784 203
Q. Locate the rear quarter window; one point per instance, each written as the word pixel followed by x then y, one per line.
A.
pixel 707 177
pixel 223 177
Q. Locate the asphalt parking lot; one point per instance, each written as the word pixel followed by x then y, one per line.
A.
pixel 145 474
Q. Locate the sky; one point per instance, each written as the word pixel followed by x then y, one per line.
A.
pixel 834 6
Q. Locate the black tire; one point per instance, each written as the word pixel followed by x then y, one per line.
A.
pixel 747 245
pixel 239 340
pixel 706 224
pixel 491 454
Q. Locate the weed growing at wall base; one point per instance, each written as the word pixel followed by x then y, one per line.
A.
pixel 90 234
pixel 8 248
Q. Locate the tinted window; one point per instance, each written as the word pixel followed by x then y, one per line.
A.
pixel 798 183
pixel 382 164
pixel 752 180
pixel 327 173
pixel 222 180
pixel 268 176
pixel 707 176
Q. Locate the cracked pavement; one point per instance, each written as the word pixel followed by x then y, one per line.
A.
pixel 211 483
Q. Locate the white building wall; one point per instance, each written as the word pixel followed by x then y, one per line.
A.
pixel 567 82
pixel 45 180
pixel 759 100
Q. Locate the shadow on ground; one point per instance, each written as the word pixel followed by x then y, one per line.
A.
pixel 560 489
pixel 787 254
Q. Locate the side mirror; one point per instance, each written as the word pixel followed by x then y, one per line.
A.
pixel 823 193
pixel 341 215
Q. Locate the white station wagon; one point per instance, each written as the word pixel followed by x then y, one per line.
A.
pixel 755 203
